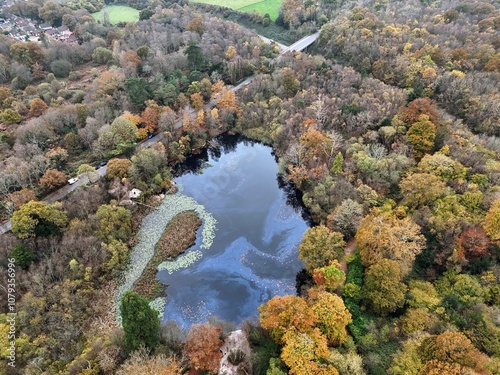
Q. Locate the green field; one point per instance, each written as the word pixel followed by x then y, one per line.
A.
pixel 271 7
pixel 117 13
pixel 262 6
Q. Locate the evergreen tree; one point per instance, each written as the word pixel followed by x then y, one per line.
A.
pixel 337 164
pixel 140 322
pixel 194 55
pixel 138 90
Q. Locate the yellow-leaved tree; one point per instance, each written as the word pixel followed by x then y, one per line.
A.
pixel 384 236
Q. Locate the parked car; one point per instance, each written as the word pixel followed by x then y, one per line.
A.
pixel 96 167
pixel 151 136
pixel 103 163
pixel 71 181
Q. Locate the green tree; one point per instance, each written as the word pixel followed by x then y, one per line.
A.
pixel 38 219
pixel 72 142
pixel 61 68
pixel 407 360
pixel 141 323
pixel 422 294
pixel 23 255
pixel 146 164
pixel 143 52
pixel 139 91
pixel 383 290
pixel 275 367
pixel 121 132
pixel 337 164
pixel 115 223
pixel 330 276
pixel 102 55
pixel 319 246
pixel 145 14
pixel 194 55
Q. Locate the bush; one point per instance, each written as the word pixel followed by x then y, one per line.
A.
pixel 10 116
pixel 61 68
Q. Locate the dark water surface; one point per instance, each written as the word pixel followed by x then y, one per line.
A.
pixel 254 253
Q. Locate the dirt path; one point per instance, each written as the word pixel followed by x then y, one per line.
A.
pixel 349 249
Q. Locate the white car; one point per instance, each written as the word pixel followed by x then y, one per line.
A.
pixel 71 181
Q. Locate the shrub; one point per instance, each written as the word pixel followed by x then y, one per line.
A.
pixel 10 116
pixel 61 68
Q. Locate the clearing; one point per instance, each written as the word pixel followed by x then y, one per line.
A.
pixel 261 6
pixel 117 13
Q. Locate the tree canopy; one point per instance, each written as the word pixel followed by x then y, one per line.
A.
pixel 141 323
pixel 38 219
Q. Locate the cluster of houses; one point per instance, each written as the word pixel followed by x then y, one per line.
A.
pixel 26 30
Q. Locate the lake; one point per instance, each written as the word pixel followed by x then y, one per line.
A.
pixel 254 254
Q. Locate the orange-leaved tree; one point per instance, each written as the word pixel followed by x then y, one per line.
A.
pixel 203 345
pixel 282 314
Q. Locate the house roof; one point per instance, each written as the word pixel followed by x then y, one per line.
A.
pixel 134 193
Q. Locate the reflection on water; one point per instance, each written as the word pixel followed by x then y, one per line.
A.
pixel 254 253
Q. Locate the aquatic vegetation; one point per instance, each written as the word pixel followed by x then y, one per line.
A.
pixel 179 235
pixel 152 227
pixel 158 304
pixel 182 261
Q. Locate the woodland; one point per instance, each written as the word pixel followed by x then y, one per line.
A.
pixel 388 126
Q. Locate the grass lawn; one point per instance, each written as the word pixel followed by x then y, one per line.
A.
pixel 271 7
pixel 117 13
pixel 261 6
